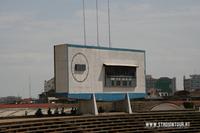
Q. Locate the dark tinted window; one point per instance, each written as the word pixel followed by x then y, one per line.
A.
pixel 80 67
pixel 120 76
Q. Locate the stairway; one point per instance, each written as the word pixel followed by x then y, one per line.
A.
pixel 126 123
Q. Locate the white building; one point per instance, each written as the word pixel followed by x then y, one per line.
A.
pixel 49 85
pixel 192 83
pixel 109 73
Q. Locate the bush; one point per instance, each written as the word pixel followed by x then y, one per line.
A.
pixel 188 105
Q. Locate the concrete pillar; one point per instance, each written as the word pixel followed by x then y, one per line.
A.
pixel 94 105
pixel 128 104
pixel 88 106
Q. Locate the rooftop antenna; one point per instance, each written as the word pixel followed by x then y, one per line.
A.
pixel 97 18
pixel 84 25
pixel 109 36
pixel 29 86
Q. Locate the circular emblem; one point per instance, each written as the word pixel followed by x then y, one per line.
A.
pixel 79 67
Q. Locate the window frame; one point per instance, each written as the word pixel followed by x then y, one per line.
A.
pixel 118 80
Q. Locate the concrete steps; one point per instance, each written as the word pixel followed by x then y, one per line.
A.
pixel 125 123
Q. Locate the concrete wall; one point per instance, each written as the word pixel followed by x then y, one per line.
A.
pixel 61 68
pixel 92 80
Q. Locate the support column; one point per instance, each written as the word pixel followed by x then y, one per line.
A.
pixel 128 104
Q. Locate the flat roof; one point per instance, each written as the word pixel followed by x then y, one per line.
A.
pixel 103 48
pixel 120 64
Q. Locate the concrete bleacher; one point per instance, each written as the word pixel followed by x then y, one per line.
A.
pixel 106 122
pixel 10 112
pixel 18 112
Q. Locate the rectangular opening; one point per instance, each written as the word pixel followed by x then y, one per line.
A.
pixel 120 76
pixel 80 67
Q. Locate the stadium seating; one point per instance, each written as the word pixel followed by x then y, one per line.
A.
pixel 106 122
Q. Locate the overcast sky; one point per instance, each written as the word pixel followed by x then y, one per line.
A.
pixel 169 31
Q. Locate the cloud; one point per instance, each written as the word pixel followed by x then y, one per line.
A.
pixel 167 31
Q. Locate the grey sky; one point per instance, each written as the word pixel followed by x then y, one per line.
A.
pixel 167 29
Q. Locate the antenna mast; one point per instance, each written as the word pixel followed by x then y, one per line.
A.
pixel 109 36
pixel 84 25
pixel 29 86
pixel 97 18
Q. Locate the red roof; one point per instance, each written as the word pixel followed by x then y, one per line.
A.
pixel 36 105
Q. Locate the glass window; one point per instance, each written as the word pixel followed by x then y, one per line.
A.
pixel 117 76
pixel 124 83
pixel 118 83
pixel 129 83
pixel 112 83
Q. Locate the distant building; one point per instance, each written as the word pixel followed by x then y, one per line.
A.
pixel 49 90
pixel 49 85
pixel 192 83
pixel 150 82
pixel 10 100
pixel 163 86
